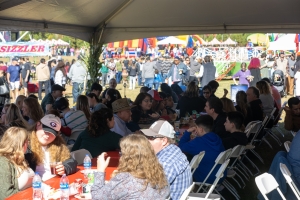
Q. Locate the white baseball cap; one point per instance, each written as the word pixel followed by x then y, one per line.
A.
pixel 160 128
pixel 51 124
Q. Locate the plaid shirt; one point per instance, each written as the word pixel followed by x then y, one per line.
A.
pixel 176 168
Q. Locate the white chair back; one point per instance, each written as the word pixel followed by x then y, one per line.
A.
pixel 287 145
pixel 280 111
pixel 236 151
pixel 266 183
pixel 252 127
pixel 79 155
pixel 287 175
pixel 187 192
pixel 196 160
pixel 209 194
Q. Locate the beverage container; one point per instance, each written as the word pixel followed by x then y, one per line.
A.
pixel 87 162
pixel 64 188
pixel 53 168
pixel 78 185
pixel 37 187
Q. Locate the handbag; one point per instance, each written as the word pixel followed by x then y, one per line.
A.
pixel 4 88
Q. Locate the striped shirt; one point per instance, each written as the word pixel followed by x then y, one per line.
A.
pixel 176 168
pixel 76 121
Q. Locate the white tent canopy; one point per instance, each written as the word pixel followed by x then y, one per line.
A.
pixel 229 41
pixel 52 42
pixel 171 40
pixel 214 42
pixel 128 19
pixel 285 42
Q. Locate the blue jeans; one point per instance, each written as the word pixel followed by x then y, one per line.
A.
pixel 156 85
pixel 164 76
pixel 46 86
pixel 76 90
pixel 118 77
pixel 140 79
pixel 149 82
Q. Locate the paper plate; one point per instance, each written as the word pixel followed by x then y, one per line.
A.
pixel 83 196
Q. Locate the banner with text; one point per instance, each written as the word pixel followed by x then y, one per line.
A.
pixel 10 49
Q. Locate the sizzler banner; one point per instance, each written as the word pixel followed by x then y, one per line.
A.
pixel 23 49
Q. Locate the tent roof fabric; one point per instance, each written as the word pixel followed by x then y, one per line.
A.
pixel 229 41
pixel 131 19
pixel 285 42
pixel 214 42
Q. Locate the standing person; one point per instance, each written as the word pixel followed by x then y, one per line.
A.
pixel 126 49
pixel 104 72
pixel 60 75
pixel 208 71
pixel 250 49
pixel 264 71
pixel 4 98
pixel 15 172
pixel 297 83
pixel 52 66
pixel 132 72
pixel 43 77
pixel 243 75
pixel 254 67
pixel 147 181
pixel 78 74
pixel 165 67
pixel 140 64
pixel 112 69
pixel 290 75
pixel 26 75
pixel 195 66
pixel 14 78
pixel 174 162
pixel 119 67
pixel 157 79
pixel 148 73
pixel 177 71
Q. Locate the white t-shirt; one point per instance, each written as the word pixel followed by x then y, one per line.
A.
pixel 43 169
pixel 25 179
pixel 297 78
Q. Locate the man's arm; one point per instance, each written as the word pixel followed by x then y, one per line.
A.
pixel 288 120
pixel 8 77
pixel 201 71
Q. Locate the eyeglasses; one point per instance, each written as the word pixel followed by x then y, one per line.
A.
pixel 205 92
pixel 152 137
pixel 147 101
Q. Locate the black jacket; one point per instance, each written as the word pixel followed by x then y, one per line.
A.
pixel 218 126
pixel 69 164
pixel 234 139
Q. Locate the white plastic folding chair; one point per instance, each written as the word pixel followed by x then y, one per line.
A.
pixel 268 131
pixel 266 183
pixel 287 175
pixel 187 192
pixel 79 155
pixel 209 195
pixel 287 145
pixel 276 126
pixel 196 160
pixel 222 157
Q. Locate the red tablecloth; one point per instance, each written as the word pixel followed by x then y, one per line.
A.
pixel 54 182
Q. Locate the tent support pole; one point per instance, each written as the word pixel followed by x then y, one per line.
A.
pixel 23 35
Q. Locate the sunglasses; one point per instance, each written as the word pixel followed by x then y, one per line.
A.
pixel 152 137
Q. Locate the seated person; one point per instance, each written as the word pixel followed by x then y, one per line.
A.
pixel 234 125
pixel 190 100
pixel 94 102
pixel 292 115
pixel 96 88
pixel 214 86
pixel 15 172
pixel 275 93
pixel 205 140
pixel 139 174
pixel 111 96
pixel 98 137
pixel 206 92
pixel 243 107
pixel 46 145
pixel 49 99
pixel 112 85
pixel 144 89
pixel 75 120
pixel 167 112
pixel 164 87
pixel 266 97
pixel 227 105
pixel 293 157
pixel 122 115
pixel 214 108
pixel 255 103
pixel 174 162
pixel 142 112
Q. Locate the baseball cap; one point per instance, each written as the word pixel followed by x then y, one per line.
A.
pixel 51 124
pixel 15 59
pixel 57 87
pixel 59 58
pixel 177 58
pixel 121 104
pixel 61 103
pixel 160 128
pixel 155 95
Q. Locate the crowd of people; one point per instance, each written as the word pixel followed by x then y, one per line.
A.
pixel 142 129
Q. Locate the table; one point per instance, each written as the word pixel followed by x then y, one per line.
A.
pixel 54 182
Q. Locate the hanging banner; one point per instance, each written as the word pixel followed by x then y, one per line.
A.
pixel 10 49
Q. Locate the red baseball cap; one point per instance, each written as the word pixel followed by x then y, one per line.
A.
pixel 155 95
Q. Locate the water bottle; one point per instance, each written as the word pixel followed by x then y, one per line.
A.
pixel 64 188
pixel 87 162
pixel 37 187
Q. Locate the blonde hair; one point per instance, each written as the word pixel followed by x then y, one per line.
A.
pixel 14 117
pixel 263 87
pixel 58 150
pixel 11 147
pixel 227 105
pixel 138 159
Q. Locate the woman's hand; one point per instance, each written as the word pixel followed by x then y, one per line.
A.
pixel 192 130
pixel 60 169
pixel 102 163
